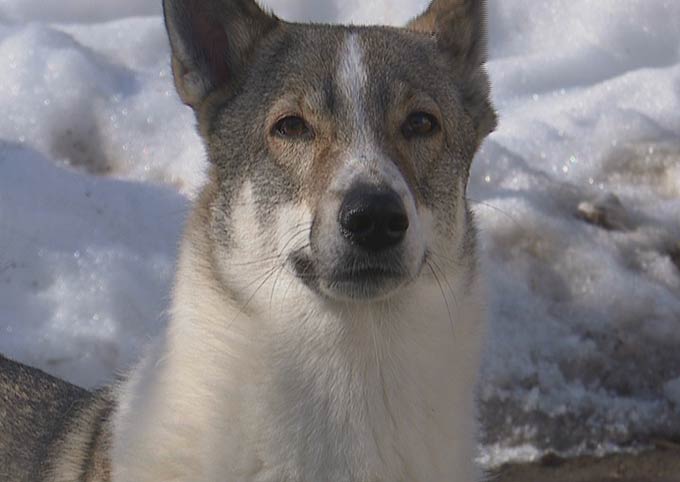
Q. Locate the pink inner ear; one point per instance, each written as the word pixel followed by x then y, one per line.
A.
pixel 212 40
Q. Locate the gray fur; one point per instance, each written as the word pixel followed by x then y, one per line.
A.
pixel 460 28
pixel 49 426
pixel 304 58
pixel 211 41
pixel 234 64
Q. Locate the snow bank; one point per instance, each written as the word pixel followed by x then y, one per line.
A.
pixel 579 202
pixel 85 268
pixel 75 10
pixel 577 194
pixel 100 97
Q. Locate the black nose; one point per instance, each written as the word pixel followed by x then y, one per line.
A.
pixel 373 218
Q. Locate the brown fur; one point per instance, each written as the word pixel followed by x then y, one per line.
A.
pixel 50 430
pixel 241 70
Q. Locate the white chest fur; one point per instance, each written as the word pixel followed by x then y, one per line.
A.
pixel 364 394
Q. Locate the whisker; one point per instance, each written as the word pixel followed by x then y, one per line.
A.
pixel 495 208
pixel 276 279
pixel 294 274
pixel 446 280
pixel 269 272
pixel 284 264
pixel 456 262
pixel 290 283
pixel 264 279
pixel 267 259
pixel 446 302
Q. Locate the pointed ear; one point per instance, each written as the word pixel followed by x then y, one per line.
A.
pixel 211 42
pixel 459 27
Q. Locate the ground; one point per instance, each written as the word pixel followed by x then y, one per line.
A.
pixel 659 465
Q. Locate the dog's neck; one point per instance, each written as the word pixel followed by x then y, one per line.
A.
pixel 328 391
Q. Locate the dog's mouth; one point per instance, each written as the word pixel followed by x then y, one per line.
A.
pixel 366 274
pixel 351 278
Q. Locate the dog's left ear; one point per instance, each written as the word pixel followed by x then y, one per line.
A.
pixel 211 42
pixel 460 29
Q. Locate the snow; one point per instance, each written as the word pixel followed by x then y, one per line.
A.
pixel 577 195
pixel 101 97
pixel 85 268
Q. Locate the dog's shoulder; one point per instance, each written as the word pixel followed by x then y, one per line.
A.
pixel 41 418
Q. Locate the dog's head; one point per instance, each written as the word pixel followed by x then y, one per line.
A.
pixel 340 154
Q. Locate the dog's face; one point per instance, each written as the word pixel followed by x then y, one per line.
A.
pixel 340 154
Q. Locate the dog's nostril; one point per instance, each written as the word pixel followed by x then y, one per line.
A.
pixel 359 223
pixel 397 225
pixel 373 218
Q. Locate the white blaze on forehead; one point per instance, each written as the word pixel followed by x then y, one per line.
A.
pixel 364 161
pixel 352 78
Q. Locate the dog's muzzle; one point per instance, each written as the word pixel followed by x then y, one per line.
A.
pixel 360 252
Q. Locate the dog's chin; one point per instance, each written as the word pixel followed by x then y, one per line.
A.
pixel 350 281
pixel 372 284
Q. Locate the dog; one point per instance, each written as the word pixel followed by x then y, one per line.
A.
pixel 328 312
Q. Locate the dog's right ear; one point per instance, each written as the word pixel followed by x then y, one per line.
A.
pixel 211 41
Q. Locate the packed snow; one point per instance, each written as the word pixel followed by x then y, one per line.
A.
pixel 577 195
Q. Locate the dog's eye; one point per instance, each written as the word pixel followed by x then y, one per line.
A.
pixel 293 127
pixel 419 124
